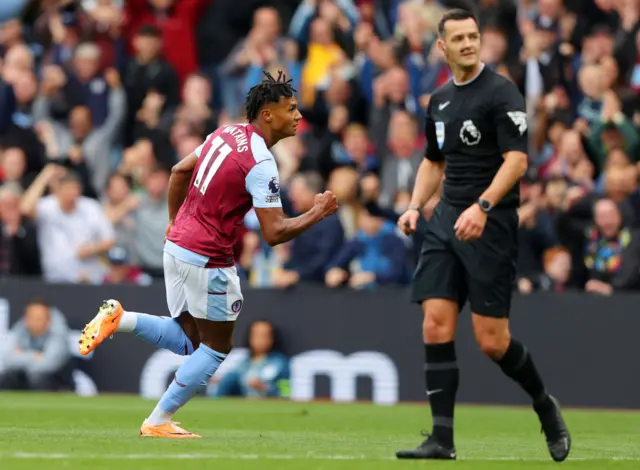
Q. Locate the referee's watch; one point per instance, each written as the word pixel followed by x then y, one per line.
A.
pixel 413 208
pixel 485 205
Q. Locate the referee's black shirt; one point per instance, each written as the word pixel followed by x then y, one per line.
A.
pixel 470 126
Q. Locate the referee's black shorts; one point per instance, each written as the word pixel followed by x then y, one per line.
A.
pixel 482 271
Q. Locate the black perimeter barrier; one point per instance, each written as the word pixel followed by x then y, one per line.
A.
pixel 348 345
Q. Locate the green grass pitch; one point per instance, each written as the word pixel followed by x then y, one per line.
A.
pixel 46 431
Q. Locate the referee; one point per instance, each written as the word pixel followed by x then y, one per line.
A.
pixel 476 131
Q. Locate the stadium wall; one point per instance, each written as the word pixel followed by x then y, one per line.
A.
pixel 350 345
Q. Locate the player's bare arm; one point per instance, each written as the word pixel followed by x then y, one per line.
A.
pixel 514 166
pixel 277 228
pixel 471 223
pixel 179 185
pixel 428 180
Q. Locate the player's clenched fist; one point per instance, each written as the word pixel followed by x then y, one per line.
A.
pixel 327 202
pixel 408 222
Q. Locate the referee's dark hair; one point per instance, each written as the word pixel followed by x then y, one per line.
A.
pixel 269 90
pixel 456 14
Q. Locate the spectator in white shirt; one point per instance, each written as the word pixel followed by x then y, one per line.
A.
pixel 73 231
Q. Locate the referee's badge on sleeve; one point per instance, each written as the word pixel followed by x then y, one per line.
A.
pixel 440 133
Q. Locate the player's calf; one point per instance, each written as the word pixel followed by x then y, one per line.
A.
pixel 510 355
pixel 441 375
pixel 441 366
pixel 492 335
pixel 515 361
pixel 196 370
pixel 162 332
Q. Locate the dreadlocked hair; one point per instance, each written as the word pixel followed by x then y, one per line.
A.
pixel 269 90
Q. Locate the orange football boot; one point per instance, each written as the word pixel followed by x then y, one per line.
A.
pixel 169 430
pixel 103 326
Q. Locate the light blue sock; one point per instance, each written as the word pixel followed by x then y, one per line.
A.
pixel 163 332
pixel 197 369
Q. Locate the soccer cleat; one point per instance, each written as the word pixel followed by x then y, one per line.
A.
pixel 429 449
pixel 103 326
pixel 555 430
pixel 169 430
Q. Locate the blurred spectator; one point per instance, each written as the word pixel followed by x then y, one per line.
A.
pixel 262 48
pixel 613 131
pixel 148 75
pixel 401 162
pixel 377 252
pixel 11 8
pixel 85 85
pixel 152 217
pixel 538 213
pixel 13 167
pixel 73 232
pixel 121 271
pixel 356 149
pixel 81 140
pixel 343 182
pixel 119 205
pixel 557 271
pixel 38 351
pixel 265 373
pixel 322 54
pixel 308 255
pixel 195 109
pixel 176 20
pixel 364 72
pixel 612 252
pixel 19 252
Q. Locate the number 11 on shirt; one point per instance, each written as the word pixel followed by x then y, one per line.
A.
pixel 217 147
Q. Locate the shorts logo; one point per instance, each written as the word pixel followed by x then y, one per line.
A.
pixel 469 133
pixel 274 188
pixel 440 133
pixel 236 306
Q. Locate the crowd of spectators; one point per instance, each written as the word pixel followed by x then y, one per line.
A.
pixel 99 98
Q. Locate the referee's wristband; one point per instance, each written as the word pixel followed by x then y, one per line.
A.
pixel 414 208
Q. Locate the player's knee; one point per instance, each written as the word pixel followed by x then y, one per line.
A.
pixel 493 342
pixel 223 347
pixel 194 337
pixel 217 335
pixel 439 324
pixel 190 329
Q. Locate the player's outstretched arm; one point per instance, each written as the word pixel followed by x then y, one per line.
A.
pixel 277 229
pixel 179 184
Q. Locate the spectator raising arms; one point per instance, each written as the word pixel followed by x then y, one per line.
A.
pixel 114 93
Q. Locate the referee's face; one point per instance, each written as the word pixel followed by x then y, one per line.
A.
pixel 461 43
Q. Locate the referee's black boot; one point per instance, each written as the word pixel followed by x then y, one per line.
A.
pixel 555 429
pixel 429 449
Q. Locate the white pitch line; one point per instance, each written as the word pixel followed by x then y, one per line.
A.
pixel 54 456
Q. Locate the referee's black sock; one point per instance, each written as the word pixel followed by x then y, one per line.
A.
pixel 518 365
pixel 441 370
